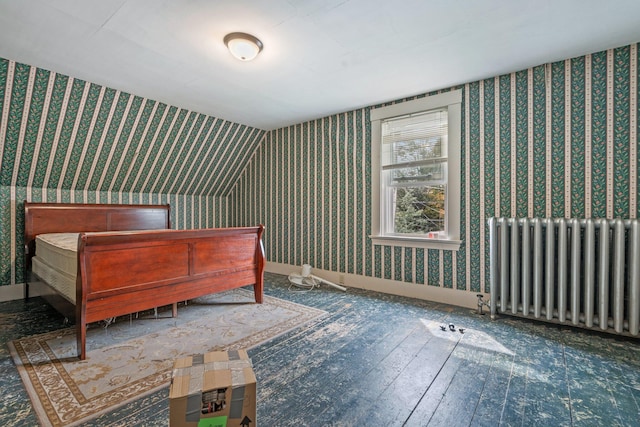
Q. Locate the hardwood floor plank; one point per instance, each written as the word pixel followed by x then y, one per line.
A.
pixel 515 397
pixel 628 404
pixel 547 399
pixel 305 354
pixel 412 384
pixel 592 397
pixel 372 361
pixel 492 398
pixel 368 347
pixel 462 393
pixel 372 388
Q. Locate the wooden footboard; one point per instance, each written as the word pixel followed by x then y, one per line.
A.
pixel 126 272
pixel 121 272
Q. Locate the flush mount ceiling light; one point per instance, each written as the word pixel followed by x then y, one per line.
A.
pixel 243 46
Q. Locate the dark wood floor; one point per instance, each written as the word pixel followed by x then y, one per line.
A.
pixel 379 360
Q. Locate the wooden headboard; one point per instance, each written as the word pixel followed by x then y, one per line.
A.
pixel 42 218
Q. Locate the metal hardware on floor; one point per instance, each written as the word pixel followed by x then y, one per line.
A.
pixel 481 303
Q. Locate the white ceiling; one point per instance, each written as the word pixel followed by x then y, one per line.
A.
pixel 320 56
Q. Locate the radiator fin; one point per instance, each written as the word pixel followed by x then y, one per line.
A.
pixel 580 272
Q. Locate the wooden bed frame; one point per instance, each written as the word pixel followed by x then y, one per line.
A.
pixel 140 263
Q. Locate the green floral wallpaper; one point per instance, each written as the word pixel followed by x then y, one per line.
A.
pixel 66 140
pixel 558 140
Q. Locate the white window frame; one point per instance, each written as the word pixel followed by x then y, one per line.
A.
pixel 452 102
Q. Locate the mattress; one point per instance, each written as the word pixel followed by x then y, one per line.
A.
pixel 56 262
pixel 64 283
pixel 59 250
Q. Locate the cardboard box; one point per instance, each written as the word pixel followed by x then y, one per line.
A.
pixel 216 389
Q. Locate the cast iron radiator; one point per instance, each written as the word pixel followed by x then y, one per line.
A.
pixel 581 272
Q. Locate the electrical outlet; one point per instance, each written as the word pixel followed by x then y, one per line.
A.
pixel 341 279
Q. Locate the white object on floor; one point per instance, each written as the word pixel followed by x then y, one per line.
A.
pixel 309 281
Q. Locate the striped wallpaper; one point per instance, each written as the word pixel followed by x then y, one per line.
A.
pixel 559 139
pixel 67 140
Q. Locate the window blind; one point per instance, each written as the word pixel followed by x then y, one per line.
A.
pixel 414 140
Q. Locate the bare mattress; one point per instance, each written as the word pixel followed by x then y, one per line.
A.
pixel 56 262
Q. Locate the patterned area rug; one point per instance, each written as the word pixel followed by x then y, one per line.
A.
pixel 134 356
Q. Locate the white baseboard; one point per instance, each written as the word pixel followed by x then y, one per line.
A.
pixel 14 292
pixel 425 292
pixel 411 290
pixel 11 292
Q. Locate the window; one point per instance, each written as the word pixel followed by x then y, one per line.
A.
pixel 416 176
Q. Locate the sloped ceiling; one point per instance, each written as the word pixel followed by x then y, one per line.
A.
pixel 60 132
pixel 320 56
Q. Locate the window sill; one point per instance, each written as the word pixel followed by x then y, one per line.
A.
pixel 417 242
